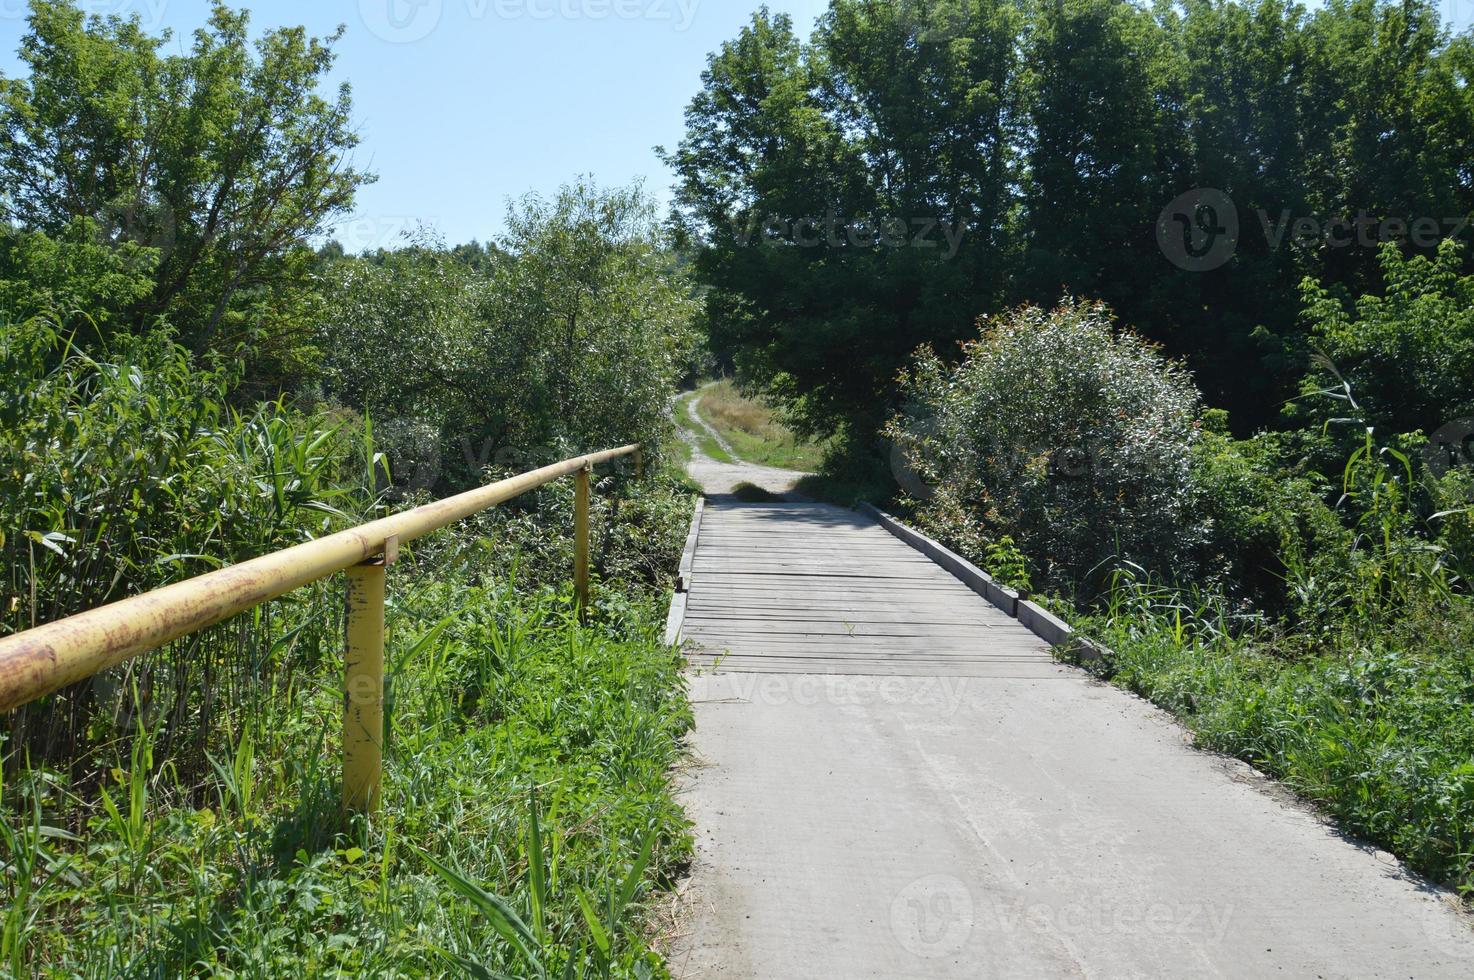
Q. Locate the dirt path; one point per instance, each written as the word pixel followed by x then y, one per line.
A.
pixel 719 479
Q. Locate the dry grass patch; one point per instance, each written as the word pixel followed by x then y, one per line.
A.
pixel 754 431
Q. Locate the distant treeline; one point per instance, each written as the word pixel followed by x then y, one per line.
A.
pixel 918 163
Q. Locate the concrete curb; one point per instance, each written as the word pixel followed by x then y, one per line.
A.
pixel 1043 624
pixel 677 617
pixel 965 571
pixel 1032 616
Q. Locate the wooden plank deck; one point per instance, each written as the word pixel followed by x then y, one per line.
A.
pixel 813 588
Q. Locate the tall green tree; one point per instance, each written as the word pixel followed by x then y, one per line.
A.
pixel 223 162
pixel 1406 353
pixel 852 195
pixel 569 335
pixel 1095 140
pixel 1057 134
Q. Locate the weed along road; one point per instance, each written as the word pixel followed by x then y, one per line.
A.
pixel 894 778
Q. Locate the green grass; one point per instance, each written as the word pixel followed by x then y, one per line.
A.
pixel 179 815
pixel 495 699
pixel 1380 736
pixel 704 441
pixel 753 430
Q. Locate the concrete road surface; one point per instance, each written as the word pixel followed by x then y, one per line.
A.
pixel 855 826
pixel 1023 821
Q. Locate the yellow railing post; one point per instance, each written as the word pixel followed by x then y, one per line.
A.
pixel 363 689
pixel 47 658
pixel 581 541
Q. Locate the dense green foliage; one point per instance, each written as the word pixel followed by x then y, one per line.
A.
pixel 1034 146
pixel 177 815
pixel 1074 442
pixel 1408 353
pixel 192 378
pixel 243 870
pixel 162 273
pixel 570 335
pixel 122 470
pixel 193 181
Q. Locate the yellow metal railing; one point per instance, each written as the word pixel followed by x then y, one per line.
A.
pixel 41 660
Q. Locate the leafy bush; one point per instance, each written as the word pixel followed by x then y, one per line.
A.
pixel 637 534
pixel 125 471
pixel 1407 353
pixel 569 338
pixel 1071 437
pixel 76 277
pixel 1264 513
pixel 497 699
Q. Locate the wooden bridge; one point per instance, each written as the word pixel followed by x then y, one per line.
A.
pixel 894 778
pixel 811 588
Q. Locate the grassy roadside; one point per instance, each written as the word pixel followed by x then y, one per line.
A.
pixel 1378 734
pixel 753 431
pixel 527 816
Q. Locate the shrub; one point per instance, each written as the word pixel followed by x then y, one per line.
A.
pixel 1070 436
pixel 122 471
pixel 570 338
pixel 1409 354
pixel 1262 514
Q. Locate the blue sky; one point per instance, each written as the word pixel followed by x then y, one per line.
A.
pixel 464 103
